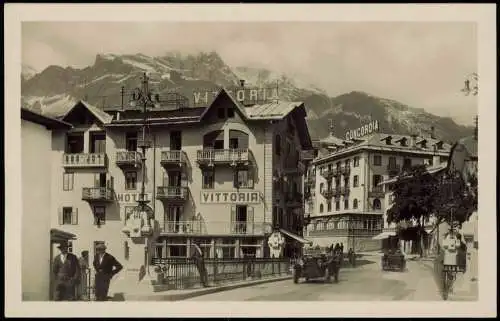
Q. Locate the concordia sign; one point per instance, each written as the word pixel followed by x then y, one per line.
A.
pixel 363 130
pixel 229 197
pixel 245 95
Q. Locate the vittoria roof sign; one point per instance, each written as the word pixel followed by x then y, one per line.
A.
pixel 364 130
pixel 209 197
pixel 247 95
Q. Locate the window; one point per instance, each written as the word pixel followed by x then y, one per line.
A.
pixel 208 179
pixel 355 181
pixel 233 143
pixel 99 215
pixel 347 163
pixel 98 142
pixel 346 204
pixel 407 163
pixel 230 113
pixel 356 161
pixel 376 180
pixel 321 187
pixel 226 249
pixel 277 144
pixel 337 205
pixel 130 180
pixel 175 140
pixel 321 208
pixel 219 144
pixel 131 141
pixel 377 160
pixel 329 206
pixel 377 205
pixel 346 182
pixel 221 113
pixel 392 162
pixel 355 204
pixel 177 249
pixel 68 180
pixel 68 216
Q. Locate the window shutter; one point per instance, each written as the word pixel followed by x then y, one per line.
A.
pixel 65 182
pixel 233 213
pixel 250 179
pixel 71 181
pixel 74 216
pixel 60 216
pixel 96 180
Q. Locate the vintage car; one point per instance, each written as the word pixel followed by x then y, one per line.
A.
pixel 393 261
pixel 317 265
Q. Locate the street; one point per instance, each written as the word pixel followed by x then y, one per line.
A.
pixel 363 283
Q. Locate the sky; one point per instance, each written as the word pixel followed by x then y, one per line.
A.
pixel 421 64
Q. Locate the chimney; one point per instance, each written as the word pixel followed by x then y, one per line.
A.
pixel 433 134
pixel 242 82
pixel 476 127
pixel 413 141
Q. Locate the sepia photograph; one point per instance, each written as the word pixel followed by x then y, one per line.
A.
pixel 188 161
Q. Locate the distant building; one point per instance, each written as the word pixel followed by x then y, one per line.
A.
pixel 345 203
pixel 39 241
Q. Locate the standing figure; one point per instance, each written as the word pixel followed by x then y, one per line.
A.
pixel 200 264
pixel 67 274
pixel 450 246
pixel 82 290
pixel 106 266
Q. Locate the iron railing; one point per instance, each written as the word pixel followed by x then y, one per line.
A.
pixel 222 155
pixel 376 191
pixel 97 194
pixel 83 160
pixel 214 228
pixel 128 158
pixel 173 157
pixel 182 273
pixel 171 193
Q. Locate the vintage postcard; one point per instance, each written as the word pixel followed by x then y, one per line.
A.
pixel 312 160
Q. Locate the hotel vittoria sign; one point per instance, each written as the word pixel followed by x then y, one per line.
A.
pixel 209 197
pixel 245 95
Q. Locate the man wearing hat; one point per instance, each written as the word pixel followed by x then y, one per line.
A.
pixel 67 274
pixel 106 266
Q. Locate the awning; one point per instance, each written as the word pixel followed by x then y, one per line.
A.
pixel 384 235
pixel 295 237
pixel 59 235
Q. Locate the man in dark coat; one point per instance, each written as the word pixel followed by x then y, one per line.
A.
pixel 106 266
pixel 66 271
pixel 199 261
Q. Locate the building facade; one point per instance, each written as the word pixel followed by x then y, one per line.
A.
pixel 39 241
pixel 211 175
pixel 346 203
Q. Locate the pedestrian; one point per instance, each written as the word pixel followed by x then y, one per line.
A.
pixel 199 261
pixel 67 274
pixel 342 248
pixel 462 253
pixel 336 248
pixel 82 290
pixel 106 266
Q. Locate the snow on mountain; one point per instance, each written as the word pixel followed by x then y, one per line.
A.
pixel 27 71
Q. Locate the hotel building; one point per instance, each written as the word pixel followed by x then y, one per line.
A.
pixel 222 176
pixel 344 201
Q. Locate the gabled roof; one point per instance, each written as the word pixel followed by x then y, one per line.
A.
pixel 223 92
pixel 48 122
pixel 272 110
pixel 102 116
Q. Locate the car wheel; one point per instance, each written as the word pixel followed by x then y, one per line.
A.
pixel 327 275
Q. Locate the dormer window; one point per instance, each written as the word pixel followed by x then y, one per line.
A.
pixel 439 145
pixel 423 143
pixel 404 142
pixel 388 140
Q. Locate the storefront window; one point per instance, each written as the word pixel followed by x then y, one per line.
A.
pixel 177 248
pixel 226 249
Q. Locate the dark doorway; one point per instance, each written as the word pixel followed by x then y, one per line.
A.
pixel 74 143
pixel 98 143
pixel 175 140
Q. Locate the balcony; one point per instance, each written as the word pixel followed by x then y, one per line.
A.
pixel 98 194
pixel 173 159
pixel 172 193
pixel 310 180
pixel 215 228
pixel 345 232
pixel 85 160
pixel 345 191
pixel 393 169
pixel 345 170
pixel 328 193
pixel 128 159
pixel 376 192
pixel 233 157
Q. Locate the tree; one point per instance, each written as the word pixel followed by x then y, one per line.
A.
pixel 414 199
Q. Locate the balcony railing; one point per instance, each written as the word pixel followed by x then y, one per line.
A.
pixel 345 190
pixel 311 180
pixel 85 160
pixel 215 228
pixel 128 159
pixel 393 168
pixel 377 191
pixel 172 193
pixel 173 158
pixel 222 156
pixel 328 193
pixel 345 170
pixel 104 194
